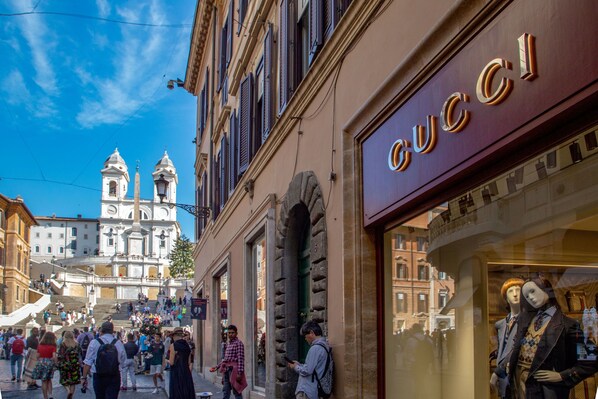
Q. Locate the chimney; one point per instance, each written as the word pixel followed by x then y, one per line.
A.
pixel 79 216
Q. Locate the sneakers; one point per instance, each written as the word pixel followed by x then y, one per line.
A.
pixel 13 378
pixel 155 390
pixel 134 388
pixel 19 380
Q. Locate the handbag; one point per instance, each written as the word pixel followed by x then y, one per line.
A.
pixel 30 363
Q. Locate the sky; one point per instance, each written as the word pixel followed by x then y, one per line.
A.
pixel 79 78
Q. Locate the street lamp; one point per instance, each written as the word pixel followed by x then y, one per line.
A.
pixel 197 211
pixel 159 283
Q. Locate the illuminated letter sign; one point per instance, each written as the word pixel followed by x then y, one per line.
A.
pixel 484 85
pixel 398 157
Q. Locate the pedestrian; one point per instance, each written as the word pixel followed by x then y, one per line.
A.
pixel 7 336
pixel 47 317
pixel 131 348
pixel 44 369
pixel 69 363
pixel 233 366
pixel 31 359
pixel 181 381
pixel 17 347
pixel 307 385
pixel 104 357
pixel 84 339
pixel 156 354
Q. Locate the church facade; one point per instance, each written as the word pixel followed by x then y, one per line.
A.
pixel 134 239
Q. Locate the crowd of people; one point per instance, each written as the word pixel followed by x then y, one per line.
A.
pixel 112 359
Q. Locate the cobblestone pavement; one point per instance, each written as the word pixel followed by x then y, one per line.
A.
pixel 10 389
pixel 145 386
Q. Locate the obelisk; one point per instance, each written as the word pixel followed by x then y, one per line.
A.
pixel 136 238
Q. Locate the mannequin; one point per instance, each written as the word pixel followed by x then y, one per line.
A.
pixel 506 329
pixel 543 363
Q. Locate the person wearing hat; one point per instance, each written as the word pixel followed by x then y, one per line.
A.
pixel 181 381
pixel 505 331
pixel 106 383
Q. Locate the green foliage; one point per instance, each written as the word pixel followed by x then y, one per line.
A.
pixel 181 258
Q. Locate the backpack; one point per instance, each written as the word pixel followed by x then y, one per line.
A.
pixel 107 359
pixel 85 343
pixel 325 382
pixel 18 345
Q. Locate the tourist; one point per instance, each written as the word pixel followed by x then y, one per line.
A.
pixel 44 369
pixel 69 363
pixel 181 380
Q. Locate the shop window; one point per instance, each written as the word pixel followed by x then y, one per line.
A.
pixel 399 241
pixel 422 272
pixel 537 220
pixel 259 268
pixel 422 303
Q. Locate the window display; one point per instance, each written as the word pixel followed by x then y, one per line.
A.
pixel 462 319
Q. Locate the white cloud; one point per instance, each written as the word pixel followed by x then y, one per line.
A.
pixel 138 57
pixel 103 8
pixel 16 93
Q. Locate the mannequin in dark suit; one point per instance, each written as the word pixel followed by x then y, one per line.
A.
pixel 506 329
pixel 544 363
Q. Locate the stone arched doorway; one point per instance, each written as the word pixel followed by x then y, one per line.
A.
pixel 301 228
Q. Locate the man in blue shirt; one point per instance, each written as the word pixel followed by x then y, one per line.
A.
pixel 307 387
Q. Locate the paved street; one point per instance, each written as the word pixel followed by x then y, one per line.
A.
pixel 10 389
pixel 145 387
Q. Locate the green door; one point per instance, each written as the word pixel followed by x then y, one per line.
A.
pixel 304 288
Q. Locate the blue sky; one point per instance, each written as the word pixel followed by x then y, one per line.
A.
pixel 73 88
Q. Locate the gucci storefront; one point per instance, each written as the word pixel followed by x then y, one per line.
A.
pixel 479 185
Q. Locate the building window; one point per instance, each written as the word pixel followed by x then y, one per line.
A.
pixel 97 239
pixel 442 299
pixel 422 244
pixel 422 303
pixel 49 249
pixel 399 241
pixel 61 235
pixel 85 236
pixel 400 303
pixel 36 235
pixel 422 272
pixel 49 235
pixel 112 189
pixel 441 275
pixel 85 226
pixel 61 224
pixel 74 245
pixel 37 249
pixel 400 270
pixel 61 250
pixel 73 232
pixel 110 242
pixel 85 251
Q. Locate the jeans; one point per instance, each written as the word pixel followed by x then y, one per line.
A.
pixel 18 359
pixel 128 370
pixel 227 388
pixel 106 386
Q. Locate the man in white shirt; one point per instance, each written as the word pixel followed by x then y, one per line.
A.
pixel 106 378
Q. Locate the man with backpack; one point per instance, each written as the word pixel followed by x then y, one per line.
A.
pixel 17 347
pixel 315 376
pixel 84 339
pixel 105 356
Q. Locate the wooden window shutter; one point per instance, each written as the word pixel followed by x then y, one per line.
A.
pixel 204 192
pixel 222 64
pixel 198 198
pixel 329 8
pixel 215 187
pixel 206 85
pixel 316 30
pixel 223 171
pixel 283 33
pixel 245 122
pixel 201 113
pixel 268 109
pixel 232 152
pixel 242 12
pixel 229 44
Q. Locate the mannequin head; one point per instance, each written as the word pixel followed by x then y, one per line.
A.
pixel 537 293
pixel 511 289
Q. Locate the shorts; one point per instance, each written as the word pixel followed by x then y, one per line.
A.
pixel 155 369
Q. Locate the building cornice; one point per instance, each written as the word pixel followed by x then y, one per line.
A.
pixel 201 24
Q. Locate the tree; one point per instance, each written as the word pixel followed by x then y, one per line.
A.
pixel 181 258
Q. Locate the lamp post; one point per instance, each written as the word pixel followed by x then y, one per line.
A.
pixel 197 211
pixel 159 283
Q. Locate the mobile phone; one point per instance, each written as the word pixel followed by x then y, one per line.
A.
pixel 288 360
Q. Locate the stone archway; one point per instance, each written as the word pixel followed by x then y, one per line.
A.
pixel 302 201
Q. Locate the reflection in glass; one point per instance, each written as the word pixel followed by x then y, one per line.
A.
pixel 443 312
pixel 259 264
